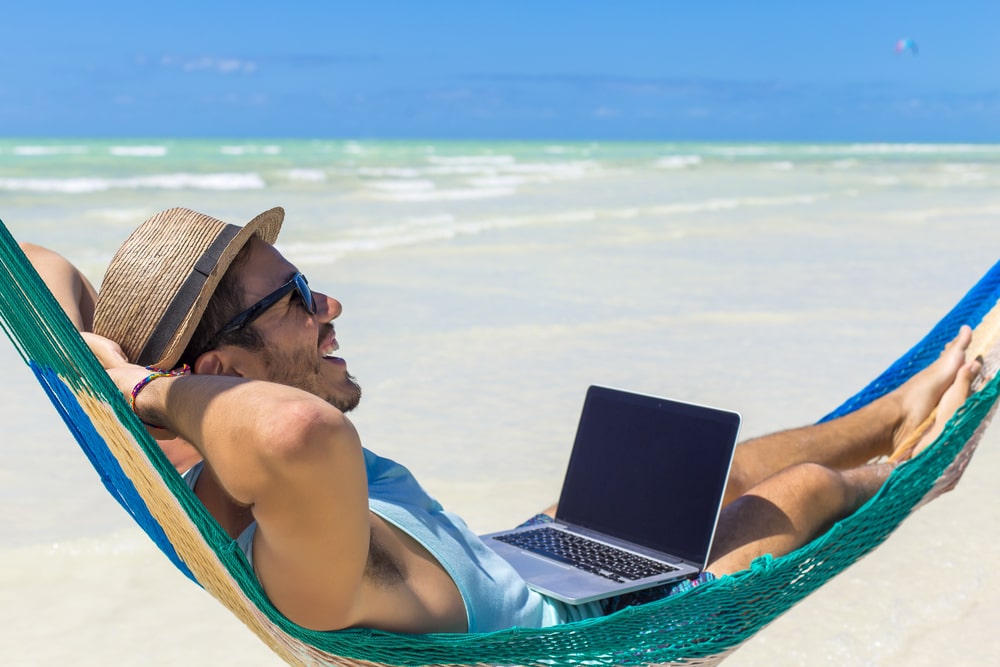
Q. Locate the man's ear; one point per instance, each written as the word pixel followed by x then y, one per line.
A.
pixel 216 362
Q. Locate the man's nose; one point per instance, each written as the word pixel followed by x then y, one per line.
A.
pixel 327 308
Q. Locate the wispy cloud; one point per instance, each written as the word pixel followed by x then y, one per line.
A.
pixel 247 65
pixel 221 65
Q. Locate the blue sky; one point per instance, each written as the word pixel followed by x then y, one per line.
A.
pixel 709 70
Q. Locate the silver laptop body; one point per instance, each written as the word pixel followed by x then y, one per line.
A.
pixel 646 477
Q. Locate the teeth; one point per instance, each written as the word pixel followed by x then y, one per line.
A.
pixel 328 350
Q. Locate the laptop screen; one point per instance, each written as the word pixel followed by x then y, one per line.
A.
pixel 660 484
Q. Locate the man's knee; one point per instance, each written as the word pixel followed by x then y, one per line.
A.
pixel 817 486
pixel 801 477
pixel 741 481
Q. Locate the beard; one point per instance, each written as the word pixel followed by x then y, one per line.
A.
pixel 349 398
pixel 308 375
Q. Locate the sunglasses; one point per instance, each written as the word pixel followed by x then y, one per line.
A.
pixel 297 284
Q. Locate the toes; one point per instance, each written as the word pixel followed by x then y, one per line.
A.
pixel 951 401
pixel 964 337
pixel 961 388
pixel 961 340
pixel 969 373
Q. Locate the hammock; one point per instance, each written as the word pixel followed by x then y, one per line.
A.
pixel 700 626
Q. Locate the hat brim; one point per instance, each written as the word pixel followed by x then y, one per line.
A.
pixel 161 280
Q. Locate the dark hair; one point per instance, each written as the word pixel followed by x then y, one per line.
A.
pixel 226 302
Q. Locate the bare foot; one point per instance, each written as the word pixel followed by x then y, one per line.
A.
pixel 951 400
pixel 920 395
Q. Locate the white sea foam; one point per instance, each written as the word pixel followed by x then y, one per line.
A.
pixel 33 151
pixel 181 181
pixel 218 181
pixel 456 194
pixel 138 151
pixel 498 181
pixel 422 229
pixel 59 185
pixel 885 180
pixel 423 190
pixel 439 227
pixel 923 215
pixel 677 162
pixel 391 172
pixel 414 185
pixel 307 175
pixel 443 218
pixel 740 151
pixel 496 164
pixel 962 173
pixel 460 170
pixel 540 171
pixel 919 149
pixel 553 170
pixel 365 236
pixel 724 204
pixel 119 215
pixel 250 149
pixel 783 165
pixel 452 160
pixel 959 167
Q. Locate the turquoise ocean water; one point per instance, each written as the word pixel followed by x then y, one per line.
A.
pixel 485 285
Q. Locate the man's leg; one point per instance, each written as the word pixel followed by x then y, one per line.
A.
pixel 856 438
pixel 796 504
pixel 852 440
pixel 788 509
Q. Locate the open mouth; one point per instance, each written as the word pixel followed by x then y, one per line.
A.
pixel 328 344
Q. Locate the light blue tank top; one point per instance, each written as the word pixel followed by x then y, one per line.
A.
pixel 495 596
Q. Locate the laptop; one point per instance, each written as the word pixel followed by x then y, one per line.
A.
pixel 640 501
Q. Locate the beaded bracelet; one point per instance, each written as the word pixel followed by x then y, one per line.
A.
pixel 155 373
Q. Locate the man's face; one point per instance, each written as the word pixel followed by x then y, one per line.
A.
pixel 299 346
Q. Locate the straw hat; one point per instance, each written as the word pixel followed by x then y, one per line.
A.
pixel 160 280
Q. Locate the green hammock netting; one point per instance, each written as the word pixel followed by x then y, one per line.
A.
pixel 700 626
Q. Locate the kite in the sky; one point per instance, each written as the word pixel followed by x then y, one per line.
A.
pixel 906 46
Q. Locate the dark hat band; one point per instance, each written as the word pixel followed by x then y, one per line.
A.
pixel 182 303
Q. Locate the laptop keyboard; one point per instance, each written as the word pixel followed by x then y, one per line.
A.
pixel 601 559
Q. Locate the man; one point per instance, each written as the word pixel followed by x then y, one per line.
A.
pixel 339 537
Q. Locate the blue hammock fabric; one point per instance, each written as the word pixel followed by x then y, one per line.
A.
pixel 699 626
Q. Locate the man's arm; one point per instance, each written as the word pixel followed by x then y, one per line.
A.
pixel 77 297
pixel 297 463
pixel 70 287
pixel 294 460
